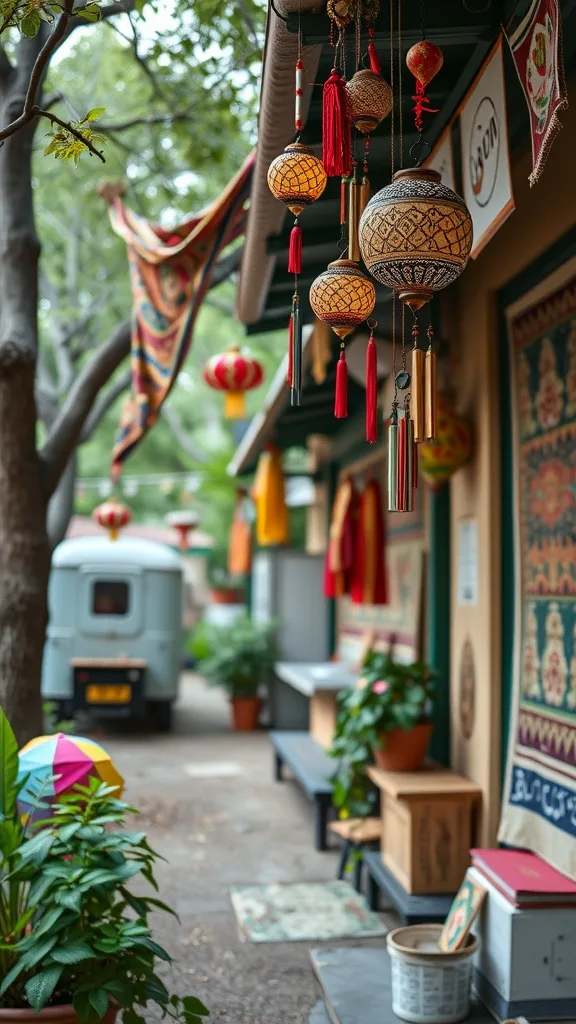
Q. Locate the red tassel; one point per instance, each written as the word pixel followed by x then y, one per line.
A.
pixel 371 393
pixel 341 396
pixel 295 251
pixel 375 65
pixel 290 374
pixel 421 106
pixel 336 132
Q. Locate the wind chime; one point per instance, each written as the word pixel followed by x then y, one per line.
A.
pixel 343 296
pixel 297 178
pixel 415 236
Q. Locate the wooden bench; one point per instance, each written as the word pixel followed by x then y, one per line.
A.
pixel 429 909
pixel 312 768
pixel 355 835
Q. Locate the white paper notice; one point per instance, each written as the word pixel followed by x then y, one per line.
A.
pixel 468 562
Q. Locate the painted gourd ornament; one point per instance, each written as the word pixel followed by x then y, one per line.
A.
pixel 369 100
pixel 416 235
pixel 342 297
pixel 451 448
pixel 424 60
pixel 297 177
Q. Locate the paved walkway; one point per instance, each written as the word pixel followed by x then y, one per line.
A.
pixel 210 807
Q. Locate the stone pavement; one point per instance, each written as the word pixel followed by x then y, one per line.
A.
pixel 209 805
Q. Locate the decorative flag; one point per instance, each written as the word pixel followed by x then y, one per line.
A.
pixel 53 765
pixel 486 178
pixel 240 540
pixel 536 46
pixel 341 545
pixel 369 583
pixel 171 271
pixel 270 500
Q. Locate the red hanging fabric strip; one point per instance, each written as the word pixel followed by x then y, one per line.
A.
pixel 336 133
pixel 295 251
pixel 341 396
pixel 375 65
pixel 421 106
pixel 371 392
pixel 290 373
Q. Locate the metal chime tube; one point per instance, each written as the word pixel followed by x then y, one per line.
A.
pixel 417 395
pixel 410 464
pixel 430 395
pixel 296 353
pixel 402 464
pixel 393 464
pixel 353 219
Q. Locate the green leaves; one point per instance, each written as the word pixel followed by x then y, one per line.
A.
pixel 8 768
pixel 73 953
pixel 40 987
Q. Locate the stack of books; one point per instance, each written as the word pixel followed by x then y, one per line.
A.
pixel 526 964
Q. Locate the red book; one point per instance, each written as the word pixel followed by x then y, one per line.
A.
pixel 524 878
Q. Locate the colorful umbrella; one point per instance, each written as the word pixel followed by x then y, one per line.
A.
pixel 54 764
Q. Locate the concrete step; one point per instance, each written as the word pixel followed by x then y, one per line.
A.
pixel 319 1014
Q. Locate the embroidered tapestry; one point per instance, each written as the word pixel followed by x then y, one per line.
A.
pixel 539 809
pixel 171 270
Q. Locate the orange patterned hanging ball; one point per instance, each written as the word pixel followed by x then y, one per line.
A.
pixel 233 372
pixel 452 448
pixel 297 177
pixel 112 515
pixel 369 100
pixel 342 297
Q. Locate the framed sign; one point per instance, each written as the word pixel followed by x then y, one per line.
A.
pixel 486 180
pixel 467 562
pixel 441 159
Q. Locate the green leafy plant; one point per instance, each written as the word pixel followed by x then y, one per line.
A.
pixel 388 696
pixel 71 928
pixel 240 656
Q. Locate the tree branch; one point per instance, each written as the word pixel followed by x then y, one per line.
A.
pixel 67 429
pixel 103 403
pixel 122 126
pixel 180 435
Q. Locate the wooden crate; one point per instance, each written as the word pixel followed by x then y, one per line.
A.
pixel 323 712
pixel 426 826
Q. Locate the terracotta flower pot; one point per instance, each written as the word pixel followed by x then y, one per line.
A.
pixel 52 1014
pixel 404 750
pixel 245 713
pixel 227 596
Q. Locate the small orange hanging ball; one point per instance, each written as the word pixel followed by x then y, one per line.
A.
pixel 233 372
pixel 112 515
pixel 424 61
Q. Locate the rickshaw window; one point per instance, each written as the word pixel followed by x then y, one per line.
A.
pixel 110 597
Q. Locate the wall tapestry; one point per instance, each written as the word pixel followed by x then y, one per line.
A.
pixel 539 809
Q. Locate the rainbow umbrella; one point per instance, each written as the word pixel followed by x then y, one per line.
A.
pixel 52 765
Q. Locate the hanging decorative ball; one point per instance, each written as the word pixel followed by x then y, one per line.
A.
pixel 112 515
pixel 297 177
pixel 369 99
pixel 416 235
pixel 183 521
pixel 342 297
pixel 424 61
pixel 234 373
pixel 451 449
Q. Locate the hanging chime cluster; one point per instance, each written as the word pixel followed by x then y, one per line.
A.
pixel 414 235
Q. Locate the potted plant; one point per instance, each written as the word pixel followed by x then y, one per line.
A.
pixel 385 719
pixel 224 588
pixel 240 658
pixel 75 941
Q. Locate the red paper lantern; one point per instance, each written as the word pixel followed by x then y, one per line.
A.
pixel 112 515
pixel 234 373
pixel 424 61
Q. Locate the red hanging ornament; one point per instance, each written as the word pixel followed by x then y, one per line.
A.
pixel 295 250
pixel 424 61
pixel 336 131
pixel 290 372
pixel 341 396
pixel 373 57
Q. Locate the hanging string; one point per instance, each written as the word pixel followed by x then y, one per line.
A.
pixel 392 114
pixel 400 83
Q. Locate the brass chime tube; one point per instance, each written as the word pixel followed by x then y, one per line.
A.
pixel 430 395
pixel 393 464
pixel 365 191
pixel 417 396
pixel 353 219
pixel 410 466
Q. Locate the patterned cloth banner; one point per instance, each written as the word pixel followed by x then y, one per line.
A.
pixel 171 270
pixel 536 46
pixel 539 808
pixel 486 181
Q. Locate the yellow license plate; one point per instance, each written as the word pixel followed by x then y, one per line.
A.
pixel 108 694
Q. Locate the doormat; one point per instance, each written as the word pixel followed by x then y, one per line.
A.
pixel 303 912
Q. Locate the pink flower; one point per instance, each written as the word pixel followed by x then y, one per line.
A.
pixel 381 686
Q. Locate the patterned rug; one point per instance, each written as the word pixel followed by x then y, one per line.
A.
pixel 539 808
pixel 304 912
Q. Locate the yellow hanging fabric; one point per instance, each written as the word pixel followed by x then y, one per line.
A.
pixel 270 501
pixel 240 539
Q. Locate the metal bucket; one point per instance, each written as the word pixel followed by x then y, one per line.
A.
pixel 428 985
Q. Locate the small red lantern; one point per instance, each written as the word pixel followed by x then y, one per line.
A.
pixel 234 373
pixel 424 61
pixel 183 522
pixel 112 515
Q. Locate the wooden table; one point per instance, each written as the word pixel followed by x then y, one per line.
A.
pixel 305 695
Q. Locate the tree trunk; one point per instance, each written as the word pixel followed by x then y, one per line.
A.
pixel 24 548
pixel 61 506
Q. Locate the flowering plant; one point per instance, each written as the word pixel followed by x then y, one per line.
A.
pixel 387 696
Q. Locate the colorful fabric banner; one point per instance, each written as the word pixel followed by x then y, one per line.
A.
pixel 171 271
pixel 536 46
pixel 539 807
pixel 369 582
pixel 486 181
pixel 340 554
pixel 268 493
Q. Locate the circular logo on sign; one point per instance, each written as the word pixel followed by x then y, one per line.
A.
pixel 467 690
pixel 484 150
